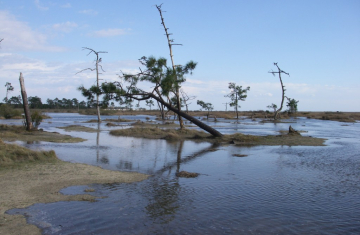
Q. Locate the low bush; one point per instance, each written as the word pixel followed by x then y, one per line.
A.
pixel 8 112
pixel 36 118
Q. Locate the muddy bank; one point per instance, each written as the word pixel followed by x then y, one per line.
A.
pixel 24 183
pixel 237 139
pixel 41 183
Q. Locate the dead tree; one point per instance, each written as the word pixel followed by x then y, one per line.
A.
pixel 25 104
pixel 97 65
pixel 225 106
pixel 186 98
pixel 282 88
pixel 178 81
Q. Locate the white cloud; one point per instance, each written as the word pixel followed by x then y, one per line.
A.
pixel 65 27
pixel 67 5
pixel 37 3
pixel 50 80
pixel 19 36
pixel 109 32
pixel 89 12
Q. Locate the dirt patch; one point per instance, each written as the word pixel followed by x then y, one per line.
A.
pixel 26 183
pixel 78 128
pixel 13 133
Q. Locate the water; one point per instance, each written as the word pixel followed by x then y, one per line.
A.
pixel 274 190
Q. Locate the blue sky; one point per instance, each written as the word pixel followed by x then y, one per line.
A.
pixel 317 42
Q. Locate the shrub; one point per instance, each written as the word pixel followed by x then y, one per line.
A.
pixel 36 118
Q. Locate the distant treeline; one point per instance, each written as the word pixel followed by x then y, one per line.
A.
pixel 35 102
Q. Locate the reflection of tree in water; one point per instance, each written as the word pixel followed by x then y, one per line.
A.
pixel 164 190
pixel 124 165
pixel 104 159
pixel 163 196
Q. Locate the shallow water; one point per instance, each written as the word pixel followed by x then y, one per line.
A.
pixel 274 190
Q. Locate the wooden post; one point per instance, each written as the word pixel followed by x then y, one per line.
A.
pixel 25 104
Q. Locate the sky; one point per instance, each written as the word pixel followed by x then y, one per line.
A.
pixel 316 42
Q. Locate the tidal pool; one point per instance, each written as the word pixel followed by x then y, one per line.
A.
pixel 273 190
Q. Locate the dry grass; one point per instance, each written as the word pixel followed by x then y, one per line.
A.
pixel 157 133
pixel 237 139
pixel 333 116
pixel 13 133
pixel 11 154
pixel 109 120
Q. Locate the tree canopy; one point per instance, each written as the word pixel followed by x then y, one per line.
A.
pixel 237 94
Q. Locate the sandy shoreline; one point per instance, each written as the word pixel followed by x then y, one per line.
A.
pixel 41 182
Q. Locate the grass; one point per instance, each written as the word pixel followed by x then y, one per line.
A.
pixel 11 154
pixel 13 133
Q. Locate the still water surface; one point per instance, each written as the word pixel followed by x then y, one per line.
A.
pixel 274 190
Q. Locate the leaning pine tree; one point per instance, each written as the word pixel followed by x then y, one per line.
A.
pixel 161 77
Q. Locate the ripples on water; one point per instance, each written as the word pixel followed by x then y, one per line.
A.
pixel 274 190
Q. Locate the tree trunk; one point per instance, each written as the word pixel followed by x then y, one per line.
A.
pixel 188 117
pixel 161 110
pixel 282 99
pixel 25 104
pixel 177 94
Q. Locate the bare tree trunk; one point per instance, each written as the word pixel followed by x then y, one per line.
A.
pixel 25 104
pixel 188 117
pixel 282 88
pixel 236 107
pixel 282 99
pixel 177 94
pixel 161 110
pixel 97 77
